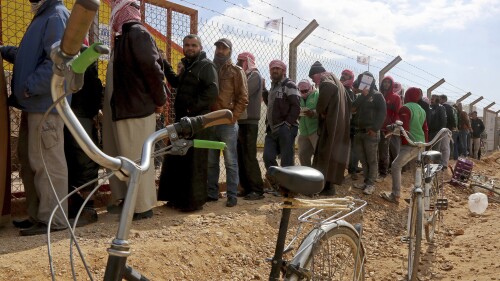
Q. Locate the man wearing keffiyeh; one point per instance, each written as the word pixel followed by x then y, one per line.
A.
pixel 138 89
pixel 248 166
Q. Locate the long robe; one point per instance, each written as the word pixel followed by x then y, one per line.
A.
pixel 333 109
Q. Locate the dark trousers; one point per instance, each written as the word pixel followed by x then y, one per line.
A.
pixel 280 142
pixel 353 158
pixel 366 147
pixel 249 170
pixel 81 169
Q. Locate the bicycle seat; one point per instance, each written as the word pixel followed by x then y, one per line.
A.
pixel 431 156
pixel 297 179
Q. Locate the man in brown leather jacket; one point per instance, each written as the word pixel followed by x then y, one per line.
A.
pixel 233 95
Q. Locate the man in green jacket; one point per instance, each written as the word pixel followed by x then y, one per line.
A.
pixel 308 122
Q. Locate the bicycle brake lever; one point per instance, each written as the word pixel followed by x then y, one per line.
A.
pixel 180 147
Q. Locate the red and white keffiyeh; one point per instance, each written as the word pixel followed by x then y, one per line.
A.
pixel 123 11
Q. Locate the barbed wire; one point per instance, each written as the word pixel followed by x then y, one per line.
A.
pixel 335 43
pixel 361 43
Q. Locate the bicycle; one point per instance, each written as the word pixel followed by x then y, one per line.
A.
pixel 332 250
pixel 68 70
pixel 427 201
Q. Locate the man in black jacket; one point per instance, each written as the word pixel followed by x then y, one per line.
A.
pixel 138 91
pixel 477 129
pixel 451 124
pixel 370 109
pixel 183 179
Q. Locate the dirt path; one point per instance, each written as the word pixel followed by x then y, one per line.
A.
pixel 219 243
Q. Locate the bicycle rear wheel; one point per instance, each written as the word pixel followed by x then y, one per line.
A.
pixel 337 255
pixel 415 237
pixel 432 215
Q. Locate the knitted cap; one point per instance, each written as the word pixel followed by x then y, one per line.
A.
pixel 317 67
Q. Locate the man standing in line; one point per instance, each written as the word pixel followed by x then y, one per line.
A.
pixel 233 95
pixel 31 93
pixel 334 111
pixel 138 91
pixel 464 129
pixel 414 122
pixel 370 115
pixel 308 122
pixel 248 166
pixel 183 179
pixel 477 129
pixel 451 124
pixel 283 108
pixel 393 104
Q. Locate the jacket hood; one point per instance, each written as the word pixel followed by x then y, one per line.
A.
pixel 413 95
pixel 391 87
pixel 373 87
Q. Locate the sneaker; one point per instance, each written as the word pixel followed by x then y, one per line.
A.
pixel 231 202
pixel 389 196
pixel 212 199
pixel 254 196
pixel 369 189
pixel 360 185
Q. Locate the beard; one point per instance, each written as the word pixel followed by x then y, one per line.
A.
pixel 192 55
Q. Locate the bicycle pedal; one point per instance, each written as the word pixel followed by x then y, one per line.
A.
pixel 442 204
pixel 405 239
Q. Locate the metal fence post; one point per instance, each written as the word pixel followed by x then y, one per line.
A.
pixel 292 60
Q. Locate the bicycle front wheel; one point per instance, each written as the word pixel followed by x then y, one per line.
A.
pixel 432 215
pixel 336 255
pixel 415 237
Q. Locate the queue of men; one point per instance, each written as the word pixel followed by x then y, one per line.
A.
pixel 339 121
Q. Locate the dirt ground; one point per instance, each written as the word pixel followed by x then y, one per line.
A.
pixel 220 243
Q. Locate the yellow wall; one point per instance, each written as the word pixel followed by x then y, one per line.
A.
pixel 16 16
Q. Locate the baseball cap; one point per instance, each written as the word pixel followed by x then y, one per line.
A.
pixel 226 42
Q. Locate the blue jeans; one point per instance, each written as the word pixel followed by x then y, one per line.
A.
pixel 456 145
pixel 463 135
pixel 229 135
pixel 280 142
pixel 366 148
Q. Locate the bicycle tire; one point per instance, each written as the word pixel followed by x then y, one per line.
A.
pixel 415 237
pixel 338 254
pixel 431 216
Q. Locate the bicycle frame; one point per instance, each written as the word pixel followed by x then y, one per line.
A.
pixel 126 169
pixel 417 190
pixel 321 226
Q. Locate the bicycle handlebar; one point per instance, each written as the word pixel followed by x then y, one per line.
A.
pixel 397 129
pixel 79 22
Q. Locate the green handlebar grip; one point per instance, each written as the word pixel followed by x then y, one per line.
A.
pixel 85 59
pixel 209 144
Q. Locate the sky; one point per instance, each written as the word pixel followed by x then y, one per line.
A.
pixel 455 40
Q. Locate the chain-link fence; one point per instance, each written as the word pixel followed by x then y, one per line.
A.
pixel 168 23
